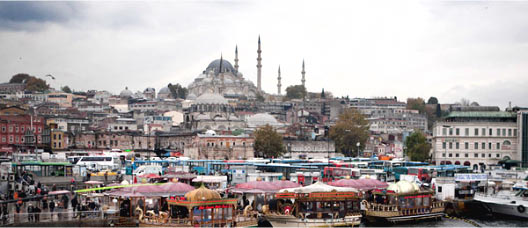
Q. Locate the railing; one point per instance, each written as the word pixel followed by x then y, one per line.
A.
pixel 404 211
pixel 45 217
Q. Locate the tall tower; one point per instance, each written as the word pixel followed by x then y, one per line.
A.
pixel 303 80
pixel 236 58
pixel 259 67
pixel 279 83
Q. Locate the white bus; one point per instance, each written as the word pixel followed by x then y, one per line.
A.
pixel 99 163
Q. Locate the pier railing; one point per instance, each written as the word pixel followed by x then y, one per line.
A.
pixel 392 210
pixel 50 217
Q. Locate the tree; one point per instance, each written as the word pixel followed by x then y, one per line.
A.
pixel 295 92
pixel 260 98
pixel 350 128
pixel 268 143
pixel 32 83
pixel 178 91
pixel 66 89
pixel 417 148
pixel 416 104
pixel 432 100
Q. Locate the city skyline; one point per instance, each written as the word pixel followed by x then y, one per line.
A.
pixel 450 50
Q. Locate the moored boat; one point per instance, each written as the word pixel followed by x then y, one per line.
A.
pixel 315 205
pixel 510 203
pixel 402 201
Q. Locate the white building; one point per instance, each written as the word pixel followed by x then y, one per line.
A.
pixel 476 139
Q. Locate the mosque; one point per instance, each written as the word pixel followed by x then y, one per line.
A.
pixel 220 77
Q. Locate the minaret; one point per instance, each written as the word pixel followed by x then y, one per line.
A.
pixel 279 83
pixel 221 74
pixel 259 67
pixel 303 80
pixel 236 58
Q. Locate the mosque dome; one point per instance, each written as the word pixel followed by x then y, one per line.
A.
pixel 164 90
pixel 126 93
pixel 202 194
pixel 210 133
pixel 149 90
pixel 210 98
pixel 191 96
pixel 262 119
pixel 215 66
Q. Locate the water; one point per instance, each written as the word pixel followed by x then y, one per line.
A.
pixel 468 222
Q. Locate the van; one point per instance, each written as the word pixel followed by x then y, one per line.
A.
pixel 148 169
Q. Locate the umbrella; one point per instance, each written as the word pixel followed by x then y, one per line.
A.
pixel 258 185
pixel 93 182
pixel 285 184
pixel 364 184
pixel 59 192
pixel 176 187
pixel 150 175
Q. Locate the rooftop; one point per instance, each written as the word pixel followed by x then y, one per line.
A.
pixel 482 114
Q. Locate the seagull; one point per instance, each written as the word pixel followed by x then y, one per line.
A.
pixel 51 76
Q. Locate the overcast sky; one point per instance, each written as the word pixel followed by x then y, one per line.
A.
pixel 452 49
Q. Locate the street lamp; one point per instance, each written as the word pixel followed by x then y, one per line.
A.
pixel 358 144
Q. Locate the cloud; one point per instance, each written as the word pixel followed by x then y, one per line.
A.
pixel 27 15
pixel 358 48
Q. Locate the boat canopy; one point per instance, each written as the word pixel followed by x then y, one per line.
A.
pixel 318 187
pixel 403 187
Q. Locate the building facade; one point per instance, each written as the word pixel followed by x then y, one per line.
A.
pixel 475 139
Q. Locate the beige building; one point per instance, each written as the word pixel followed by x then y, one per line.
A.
pixel 213 146
pixel 475 139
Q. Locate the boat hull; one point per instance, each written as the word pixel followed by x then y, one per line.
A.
pixel 509 207
pixel 292 221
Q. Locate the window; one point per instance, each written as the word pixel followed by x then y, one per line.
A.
pixel 457 145
pixel 450 155
pixel 483 146
pixel 489 155
pixel 443 155
pixel 60 137
pixel 489 146
pixel 466 145
pixel 10 128
pixel 3 129
pixel 504 132
pixel 16 129
pixel 450 145
pixel 467 132
pixel 498 146
pixel 515 132
pixel 483 155
pixel 483 131
pixel 498 132
pixel 450 131
pixel 11 139
pixel 476 146
pixel 456 155
pixel 466 155
pixel 498 155
pixel 490 132
pixel 3 139
pixel 22 129
pixel 443 145
pixel 444 131
pixel 54 136
pixel 457 131
pixel 476 131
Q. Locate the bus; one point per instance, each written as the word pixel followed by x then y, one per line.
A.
pixel 44 169
pixel 97 163
pixel 335 173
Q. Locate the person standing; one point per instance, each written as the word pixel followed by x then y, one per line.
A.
pixel 30 212
pixel 36 211
pixel 106 177
pixel 74 203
